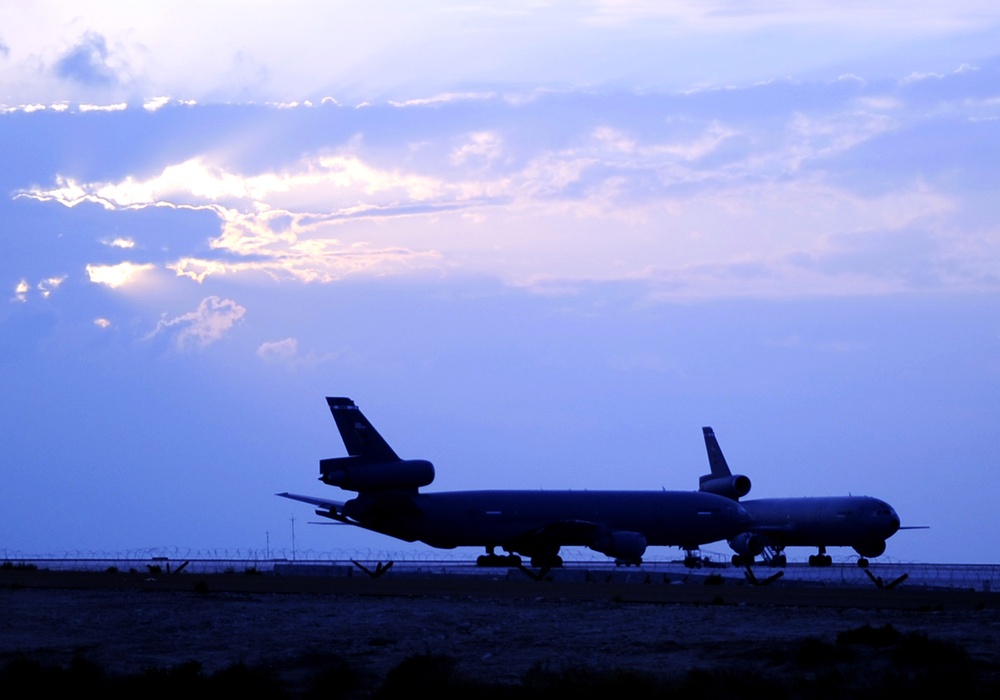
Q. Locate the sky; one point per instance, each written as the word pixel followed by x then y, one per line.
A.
pixel 540 244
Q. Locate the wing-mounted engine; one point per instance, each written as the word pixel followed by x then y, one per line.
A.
pixel 734 486
pixel 360 474
pixel 621 544
pixel 874 548
pixel 747 544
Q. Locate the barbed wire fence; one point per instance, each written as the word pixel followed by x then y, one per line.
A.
pixel 980 577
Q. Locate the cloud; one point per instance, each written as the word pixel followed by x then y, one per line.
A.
pixel 484 144
pixel 279 351
pixel 102 323
pixel 118 107
pixel 115 276
pixel 87 63
pixel 203 326
pixel 286 352
pixel 47 285
pixel 44 288
pixel 573 186
pixel 155 103
pixel 119 243
pixel 444 98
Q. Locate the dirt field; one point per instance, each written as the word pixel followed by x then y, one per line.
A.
pixel 493 635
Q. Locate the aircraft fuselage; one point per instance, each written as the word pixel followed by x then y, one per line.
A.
pixel 847 521
pixel 527 521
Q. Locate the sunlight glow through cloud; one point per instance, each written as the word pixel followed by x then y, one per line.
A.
pixel 711 195
pixel 118 275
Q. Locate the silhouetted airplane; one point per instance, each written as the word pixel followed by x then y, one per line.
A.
pixel 861 522
pixel 619 524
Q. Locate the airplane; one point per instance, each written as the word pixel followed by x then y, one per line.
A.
pixel 861 522
pixel 536 524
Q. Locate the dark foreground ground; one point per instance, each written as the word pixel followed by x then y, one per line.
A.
pixel 266 637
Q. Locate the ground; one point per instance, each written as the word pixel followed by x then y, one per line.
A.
pixel 493 635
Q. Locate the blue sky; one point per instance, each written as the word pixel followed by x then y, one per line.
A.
pixel 540 246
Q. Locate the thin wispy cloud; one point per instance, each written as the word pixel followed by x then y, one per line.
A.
pixel 207 324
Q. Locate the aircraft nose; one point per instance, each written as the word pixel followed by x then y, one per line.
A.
pixel 893 520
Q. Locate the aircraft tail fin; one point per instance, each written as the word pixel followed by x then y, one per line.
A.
pixel 359 435
pixel 716 460
pixel 371 465
pixel 721 481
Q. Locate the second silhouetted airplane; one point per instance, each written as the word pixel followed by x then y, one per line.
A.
pixel 861 522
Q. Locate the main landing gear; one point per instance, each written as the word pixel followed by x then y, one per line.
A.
pixel 493 559
pixel 772 556
pixel 547 561
pixel 628 562
pixel 775 557
pixel 821 559
pixel 692 560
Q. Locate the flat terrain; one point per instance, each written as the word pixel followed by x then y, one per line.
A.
pixel 495 631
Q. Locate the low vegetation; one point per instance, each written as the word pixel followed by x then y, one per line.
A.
pixel 863 662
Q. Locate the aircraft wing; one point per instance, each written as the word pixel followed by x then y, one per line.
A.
pixel 335 507
pixel 581 531
pixel 784 527
pixel 619 544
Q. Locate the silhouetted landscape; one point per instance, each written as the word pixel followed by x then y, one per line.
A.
pixel 531 640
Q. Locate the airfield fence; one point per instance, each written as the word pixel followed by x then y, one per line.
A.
pixel 979 577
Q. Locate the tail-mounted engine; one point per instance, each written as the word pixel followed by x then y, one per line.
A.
pixel 358 474
pixel 735 486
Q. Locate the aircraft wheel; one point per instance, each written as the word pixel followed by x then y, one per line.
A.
pixel 513 560
pixel 483 560
pixel 547 562
pixel 812 560
pixel 863 563
pixel 826 560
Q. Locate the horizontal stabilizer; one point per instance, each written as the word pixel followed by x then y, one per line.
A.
pixel 333 506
